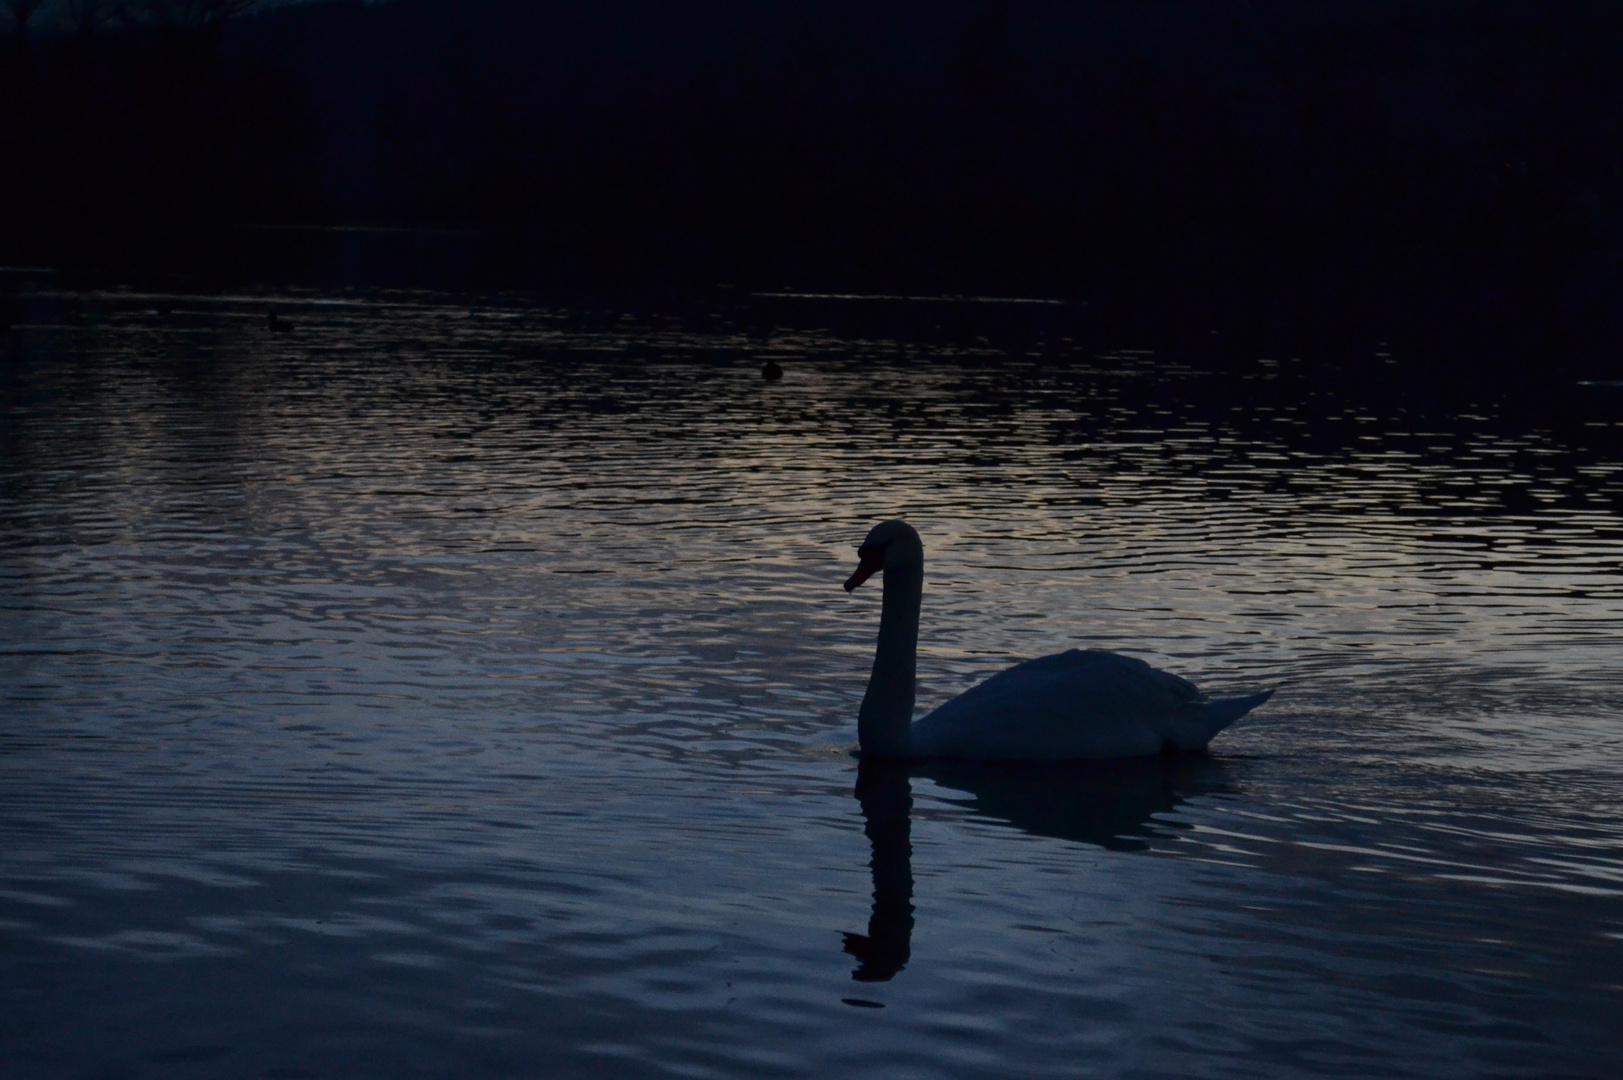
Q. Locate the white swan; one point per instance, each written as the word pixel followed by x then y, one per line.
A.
pixel 1074 706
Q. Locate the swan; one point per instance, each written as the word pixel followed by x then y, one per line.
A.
pixel 1079 705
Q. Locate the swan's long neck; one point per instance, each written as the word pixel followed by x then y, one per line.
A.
pixel 887 707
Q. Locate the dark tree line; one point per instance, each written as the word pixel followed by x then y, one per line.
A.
pixel 85 17
pixel 1168 148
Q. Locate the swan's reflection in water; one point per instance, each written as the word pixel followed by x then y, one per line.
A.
pixel 887 806
pixel 1109 804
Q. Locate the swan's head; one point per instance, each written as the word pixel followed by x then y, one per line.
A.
pixel 889 546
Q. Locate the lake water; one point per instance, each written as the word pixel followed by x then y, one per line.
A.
pixel 436 691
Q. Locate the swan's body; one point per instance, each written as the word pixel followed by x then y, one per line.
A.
pixel 1073 706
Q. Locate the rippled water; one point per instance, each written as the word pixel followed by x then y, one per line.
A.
pixel 448 692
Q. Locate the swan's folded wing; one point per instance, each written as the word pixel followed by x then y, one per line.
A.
pixel 1115 683
pixel 1073 705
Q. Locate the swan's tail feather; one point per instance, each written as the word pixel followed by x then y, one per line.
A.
pixel 1193 726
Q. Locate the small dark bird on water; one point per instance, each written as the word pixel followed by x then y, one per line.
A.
pixel 276 323
pixel 771 372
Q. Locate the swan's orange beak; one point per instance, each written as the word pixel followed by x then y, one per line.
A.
pixel 870 560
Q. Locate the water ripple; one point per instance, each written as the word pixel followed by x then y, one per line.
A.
pixel 459 689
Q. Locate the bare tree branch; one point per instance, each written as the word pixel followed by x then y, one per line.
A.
pixel 191 14
pixel 88 16
pixel 22 12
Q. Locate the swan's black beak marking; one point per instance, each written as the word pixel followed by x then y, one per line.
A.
pixel 870 560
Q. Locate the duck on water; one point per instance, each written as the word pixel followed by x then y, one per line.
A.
pixel 1079 705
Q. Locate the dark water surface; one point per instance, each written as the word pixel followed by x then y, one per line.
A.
pixel 445 692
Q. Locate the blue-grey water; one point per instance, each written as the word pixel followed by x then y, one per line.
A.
pixel 448 692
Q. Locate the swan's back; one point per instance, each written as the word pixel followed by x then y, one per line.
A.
pixel 1075 705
